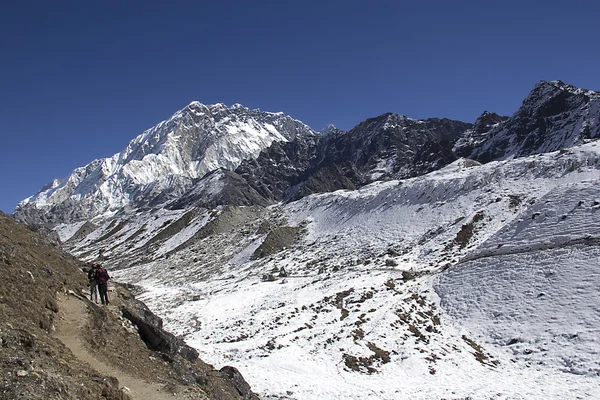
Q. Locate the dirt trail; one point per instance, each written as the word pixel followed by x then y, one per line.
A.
pixel 69 327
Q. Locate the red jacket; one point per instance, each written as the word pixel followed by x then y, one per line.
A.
pixel 102 276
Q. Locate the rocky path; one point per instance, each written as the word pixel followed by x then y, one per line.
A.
pixel 69 327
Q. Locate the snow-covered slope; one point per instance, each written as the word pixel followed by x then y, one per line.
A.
pixel 538 296
pixel 475 281
pixel 163 162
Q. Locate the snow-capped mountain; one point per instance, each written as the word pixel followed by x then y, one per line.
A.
pixel 162 163
pixel 278 158
pixel 393 268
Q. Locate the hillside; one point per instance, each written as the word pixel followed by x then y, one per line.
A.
pixel 56 344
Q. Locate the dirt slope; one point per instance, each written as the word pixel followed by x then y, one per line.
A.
pixel 59 346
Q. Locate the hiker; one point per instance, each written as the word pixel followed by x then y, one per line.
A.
pixel 93 283
pixel 102 276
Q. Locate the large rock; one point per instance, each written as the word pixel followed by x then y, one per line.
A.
pixel 238 381
pixel 153 334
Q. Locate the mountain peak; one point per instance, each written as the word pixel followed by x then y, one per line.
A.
pixel 553 116
pixel 560 86
pixel 165 160
pixel 486 120
pixel 216 107
pixel 194 103
pixel 329 129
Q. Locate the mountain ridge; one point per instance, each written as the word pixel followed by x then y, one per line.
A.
pixel 377 271
pixel 166 158
pixel 282 159
pixel 554 115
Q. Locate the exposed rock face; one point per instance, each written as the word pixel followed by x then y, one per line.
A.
pixel 282 166
pixel 553 116
pixel 220 187
pixel 329 179
pixel 238 381
pixel 394 145
pixel 475 137
pixel 487 120
pixel 389 146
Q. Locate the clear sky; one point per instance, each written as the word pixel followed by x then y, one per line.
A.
pixel 80 79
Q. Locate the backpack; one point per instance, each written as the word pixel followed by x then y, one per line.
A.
pixel 102 275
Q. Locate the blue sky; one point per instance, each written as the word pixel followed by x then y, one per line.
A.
pixel 80 79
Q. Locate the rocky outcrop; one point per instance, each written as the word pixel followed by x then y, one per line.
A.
pixel 386 147
pixel 181 356
pixel 554 115
pixel 238 381
pixel 156 338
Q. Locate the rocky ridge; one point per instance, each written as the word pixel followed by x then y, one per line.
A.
pixel 553 116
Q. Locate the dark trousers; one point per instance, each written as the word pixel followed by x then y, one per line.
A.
pixel 103 289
